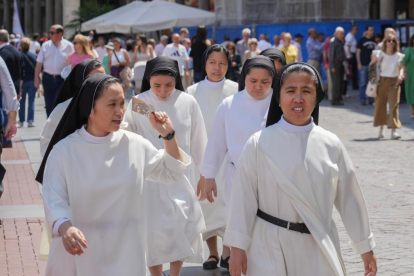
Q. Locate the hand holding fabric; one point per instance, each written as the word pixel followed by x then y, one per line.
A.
pixel 161 123
pixel 72 239
pixel 209 188
pixel 238 262
pixel 370 263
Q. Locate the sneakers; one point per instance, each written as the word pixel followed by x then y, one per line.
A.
pixel 395 135
pixel 30 124
pixel 381 134
pixel 19 124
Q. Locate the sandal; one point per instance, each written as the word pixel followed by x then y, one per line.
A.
pixel 224 263
pixel 211 264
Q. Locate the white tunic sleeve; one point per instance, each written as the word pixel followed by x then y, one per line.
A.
pixel 198 137
pixel 55 193
pixel 244 199
pixel 351 205
pixel 161 167
pixel 217 145
pixel 51 125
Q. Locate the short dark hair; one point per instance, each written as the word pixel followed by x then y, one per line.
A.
pixel 353 27
pixel 226 37
pixel 35 36
pixel 368 26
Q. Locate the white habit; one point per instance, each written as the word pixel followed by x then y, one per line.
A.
pixel 298 174
pixel 174 217
pixel 97 183
pixel 237 118
pixel 51 125
pixel 209 95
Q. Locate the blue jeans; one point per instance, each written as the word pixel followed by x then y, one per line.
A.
pixel 363 82
pixel 27 88
pixel 51 87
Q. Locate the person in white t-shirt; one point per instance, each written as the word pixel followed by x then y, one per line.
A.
pixel 350 50
pixel 178 52
pixel 392 74
pixel 101 50
pixel 34 45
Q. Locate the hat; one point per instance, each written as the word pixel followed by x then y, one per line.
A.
pixel 110 46
pixel 117 39
pixel 163 37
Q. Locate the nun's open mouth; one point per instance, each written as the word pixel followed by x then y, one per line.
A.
pixel 298 109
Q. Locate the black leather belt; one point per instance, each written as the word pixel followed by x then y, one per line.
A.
pixel 298 227
pixel 53 76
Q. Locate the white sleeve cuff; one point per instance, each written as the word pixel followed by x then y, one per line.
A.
pixel 174 164
pixel 363 246
pixel 209 172
pixel 56 226
pixel 237 239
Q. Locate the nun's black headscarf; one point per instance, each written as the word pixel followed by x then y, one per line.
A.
pixel 215 48
pixel 77 113
pixel 75 79
pixel 275 111
pixel 161 64
pixel 274 53
pixel 258 61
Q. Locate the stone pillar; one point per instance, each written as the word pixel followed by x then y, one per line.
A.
pixel 69 6
pixel 37 17
pixel 6 15
pixel 58 12
pixel 387 9
pixel 50 18
pixel 28 26
pixel 204 5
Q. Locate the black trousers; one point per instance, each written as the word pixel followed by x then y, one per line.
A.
pixel 353 64
pixel 337 81
pixel 2 169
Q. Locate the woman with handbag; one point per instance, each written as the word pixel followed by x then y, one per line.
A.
pixel 391 76
pixel 118 61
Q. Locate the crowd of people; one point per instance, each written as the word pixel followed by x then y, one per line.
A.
pixel 125 188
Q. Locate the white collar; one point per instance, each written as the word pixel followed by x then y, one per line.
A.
pixel 214 83
pixel 294 128
pixel 94 139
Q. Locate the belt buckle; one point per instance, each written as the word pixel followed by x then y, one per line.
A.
pixel 288 226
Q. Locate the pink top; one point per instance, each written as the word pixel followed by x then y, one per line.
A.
pixel 75 59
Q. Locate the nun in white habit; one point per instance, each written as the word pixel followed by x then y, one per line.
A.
pixel 69 89
pixel 287 182
pixel 209 93
pixel 237 118
pixel 174 217
pixel 93 175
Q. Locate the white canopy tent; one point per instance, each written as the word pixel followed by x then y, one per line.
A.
pixel 141 16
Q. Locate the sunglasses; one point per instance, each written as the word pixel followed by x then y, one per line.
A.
pixel 391 40
pixel 52 33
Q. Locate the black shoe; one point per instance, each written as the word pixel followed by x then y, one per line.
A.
pixel 363 103
pixel 211 264
pixel 337 103
pixel 224 263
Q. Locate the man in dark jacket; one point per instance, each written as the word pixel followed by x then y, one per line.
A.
pixel 336 60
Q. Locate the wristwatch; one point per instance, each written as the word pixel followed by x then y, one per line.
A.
pixel 169 136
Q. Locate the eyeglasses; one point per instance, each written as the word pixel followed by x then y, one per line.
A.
pixel 391 40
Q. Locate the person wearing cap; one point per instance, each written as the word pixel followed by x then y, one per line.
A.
pixel 161 46
pixel 289 177
pixel 109 48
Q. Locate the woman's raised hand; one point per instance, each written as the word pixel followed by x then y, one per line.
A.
pixel 161 123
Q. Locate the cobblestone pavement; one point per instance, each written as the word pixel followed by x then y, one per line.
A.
pixel 385 170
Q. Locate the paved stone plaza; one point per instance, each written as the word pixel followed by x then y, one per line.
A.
pixel 385 169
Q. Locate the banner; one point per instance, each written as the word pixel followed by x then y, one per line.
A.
pixel 17 26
